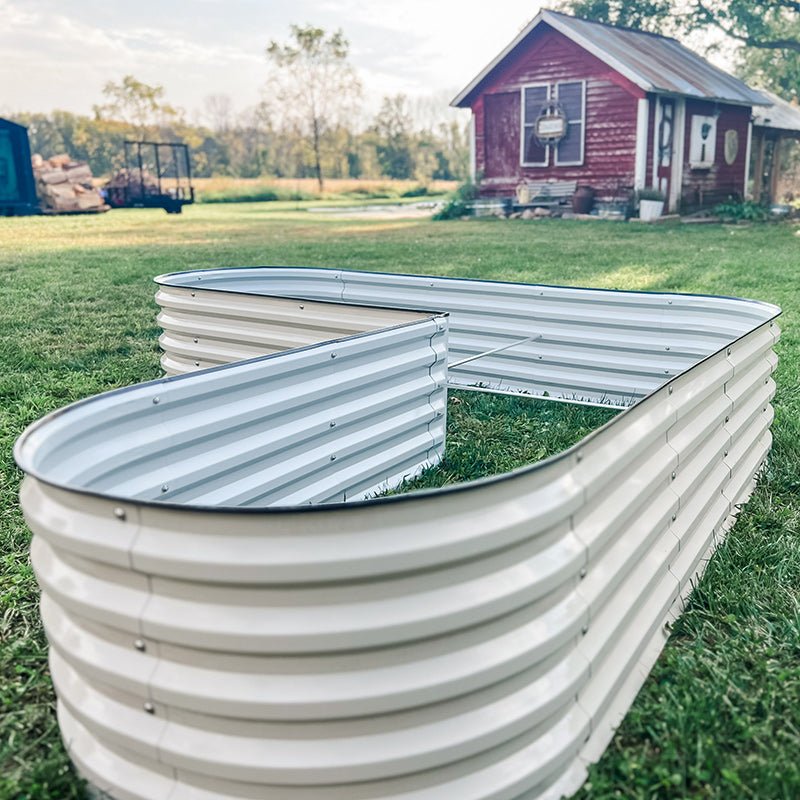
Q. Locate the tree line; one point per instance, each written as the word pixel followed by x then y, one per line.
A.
pixel 312 125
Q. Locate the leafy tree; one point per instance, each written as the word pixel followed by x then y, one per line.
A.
pixel 314 84
pixel 646 15
pixel 393 130
pixel 138 104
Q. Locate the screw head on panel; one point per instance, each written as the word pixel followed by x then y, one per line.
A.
pixel 156 401
pixel 149 707
pixel 725 454
pixel 670 390
pixel 674 475
pixel 193 294
pixel 119 513
pixel 195 340
pixel 302 306
pixel 333 423
pixel 727 419
pixel 165 487
pixel 582 573
pixel 333 355
pixel 140 645
pixel 333 458
pixel 197 363
pixel 584 630
pixel 674 517
pixel 728 351
pixel 579 456
pixel 667 347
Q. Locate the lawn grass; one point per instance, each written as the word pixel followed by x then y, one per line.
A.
pixel 719 717
pixel 350 190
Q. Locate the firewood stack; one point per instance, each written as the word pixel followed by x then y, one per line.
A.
pixel 65 186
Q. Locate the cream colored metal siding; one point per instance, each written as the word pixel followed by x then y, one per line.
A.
pixel 476 642
pixel 330 422
pixel 589 345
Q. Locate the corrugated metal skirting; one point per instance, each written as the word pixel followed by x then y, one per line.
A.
pixel 475 642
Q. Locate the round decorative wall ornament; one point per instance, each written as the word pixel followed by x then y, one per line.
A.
pixel 551 124
pixel 731 146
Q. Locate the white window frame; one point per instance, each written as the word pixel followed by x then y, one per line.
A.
pixel 523 125
pixel 579 163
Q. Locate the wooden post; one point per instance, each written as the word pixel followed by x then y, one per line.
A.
pixel 758 172
pixel 775 170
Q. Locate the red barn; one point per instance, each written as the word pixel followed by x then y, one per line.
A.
pixel 611 108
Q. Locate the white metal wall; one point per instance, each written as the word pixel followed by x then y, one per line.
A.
pixel 586 345
pixel 330 422
pixel 475 642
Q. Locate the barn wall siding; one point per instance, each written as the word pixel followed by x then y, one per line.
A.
pixel 704 187
pixel 611 107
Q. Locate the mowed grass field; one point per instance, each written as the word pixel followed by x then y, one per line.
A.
pixel 719 717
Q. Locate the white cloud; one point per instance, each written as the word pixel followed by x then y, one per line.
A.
pixel 58 55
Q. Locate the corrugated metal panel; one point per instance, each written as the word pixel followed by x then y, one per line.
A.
pixel 781 115
pixel 476 642
pixel 324 423
pixel 589 345
pixel 654 63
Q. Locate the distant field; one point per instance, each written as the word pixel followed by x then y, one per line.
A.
pixel 719 716
pixel 220 190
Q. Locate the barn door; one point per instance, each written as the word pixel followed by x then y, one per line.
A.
pixel 502 136
pixel 665 143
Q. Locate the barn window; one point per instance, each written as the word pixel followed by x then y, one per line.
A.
pixel 571 98
pixel 534 154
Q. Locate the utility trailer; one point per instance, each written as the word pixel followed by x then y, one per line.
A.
pixel 156 175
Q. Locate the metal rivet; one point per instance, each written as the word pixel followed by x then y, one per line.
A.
pixel 670 390
pixel 728 351
pixel 140 645
pixel 302 307
pixel 193 294
pixel 766 381
pixel 333 355
pixel 725 454
pixel 119 513
pixel 165 487
pixel 674 517
pixel 582 573
pixel 585 630
pixel 727 419
pixel 195 340
pixel 333 458
pixel 666 372
pixel 764 409
pixel 197 363
pixel 579 456
pixel 149 708
pixel 669 302
pixel 666 348
pixel 156 401
pixel 333 423
pixel 674 475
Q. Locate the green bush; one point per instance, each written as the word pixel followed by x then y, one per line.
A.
pixel 737 210
pixel 416 191
pixel 458 205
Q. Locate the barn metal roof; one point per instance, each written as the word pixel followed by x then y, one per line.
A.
pixel 782 115
pixel 652 62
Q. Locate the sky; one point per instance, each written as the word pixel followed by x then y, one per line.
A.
pixel 58 54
